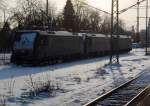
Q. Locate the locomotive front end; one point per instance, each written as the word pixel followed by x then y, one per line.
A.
pixel 23 48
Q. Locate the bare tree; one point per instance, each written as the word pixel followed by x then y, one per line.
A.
pixel 31 13
pixel 105 25
pixel 2 4
pixel 78 7
pixel 86 18
pixel 95 20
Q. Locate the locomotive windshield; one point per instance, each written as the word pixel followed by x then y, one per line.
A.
pixel 25 41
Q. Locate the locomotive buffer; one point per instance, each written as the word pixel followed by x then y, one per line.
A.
pixel 114 40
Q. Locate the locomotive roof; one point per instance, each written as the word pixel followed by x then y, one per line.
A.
pixel 66 33
pixel 102 35
pixel 47 32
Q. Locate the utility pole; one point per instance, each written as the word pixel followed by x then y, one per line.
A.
pixel 4 16
pixel 147 42
pixel 47 7
pixel 138 14
pixel 47 19
pixel 114 40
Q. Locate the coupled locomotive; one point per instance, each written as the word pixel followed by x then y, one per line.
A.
pixel 36 47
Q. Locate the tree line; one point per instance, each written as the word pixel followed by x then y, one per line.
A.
pixel 75 17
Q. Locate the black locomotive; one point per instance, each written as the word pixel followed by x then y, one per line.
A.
pixel 40 46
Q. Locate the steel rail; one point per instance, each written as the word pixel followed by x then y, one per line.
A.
pixel 95 101
pixel 139 97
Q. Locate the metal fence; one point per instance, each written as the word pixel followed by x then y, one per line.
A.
pixel 5 56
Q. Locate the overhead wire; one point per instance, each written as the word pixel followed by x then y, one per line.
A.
pixel 120 12
pixel 126 9
pixel 95 8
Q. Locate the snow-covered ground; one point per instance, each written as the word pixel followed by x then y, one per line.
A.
pixel 81 81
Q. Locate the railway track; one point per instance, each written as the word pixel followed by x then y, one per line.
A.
pixel 124 93
pixel 141 99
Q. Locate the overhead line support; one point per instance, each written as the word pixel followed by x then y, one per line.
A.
pixel 114 40
pixel 147 29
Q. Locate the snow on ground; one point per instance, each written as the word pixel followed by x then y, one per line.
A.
pixel 81 81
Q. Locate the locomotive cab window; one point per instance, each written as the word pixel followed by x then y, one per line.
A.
pixel 25 40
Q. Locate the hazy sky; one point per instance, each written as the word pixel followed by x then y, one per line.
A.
pixel 129 17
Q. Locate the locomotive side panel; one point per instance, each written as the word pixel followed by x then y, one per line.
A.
pixel 98 45
pixel 125 44
pixel 60 46
pixel 66 45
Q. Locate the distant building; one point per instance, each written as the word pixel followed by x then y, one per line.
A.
pixel 143 36
pixel 133 34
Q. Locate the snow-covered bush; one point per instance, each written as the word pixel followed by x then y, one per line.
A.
pixel 36 87
pixel 11 84
pixel 2 100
